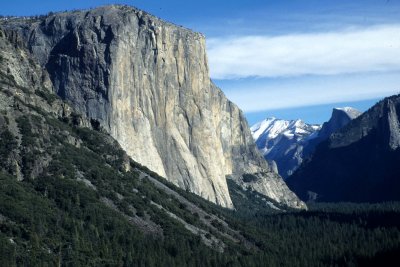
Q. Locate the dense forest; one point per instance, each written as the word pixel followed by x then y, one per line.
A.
pixel 70 196
pixel 82 209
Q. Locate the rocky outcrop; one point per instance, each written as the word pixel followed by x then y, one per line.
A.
pixel 340 117
pixel 25 89
pixel 385 110
pixel 146 82
pixel 358 163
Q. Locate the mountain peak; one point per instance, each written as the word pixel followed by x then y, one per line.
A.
pixel 288 142
pixel 340 117
pixel 274 127
pixel 352 113
pixel 135 76
pixel 279 140
pixel 360 161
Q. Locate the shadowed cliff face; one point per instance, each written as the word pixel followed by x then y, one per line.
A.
pixel 146 82
pixel 359 163
pixel 340 118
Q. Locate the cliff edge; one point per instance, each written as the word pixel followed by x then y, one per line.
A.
pixel 146 82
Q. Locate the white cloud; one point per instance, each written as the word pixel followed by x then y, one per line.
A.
pixel 348 51
pixel 300 92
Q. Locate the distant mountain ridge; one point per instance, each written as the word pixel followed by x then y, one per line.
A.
pixel 359 163
pixel 289 142
pixel 340 117
pixel 283 141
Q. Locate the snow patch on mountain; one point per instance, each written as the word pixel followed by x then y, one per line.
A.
pixel 288 142
pixel 282 141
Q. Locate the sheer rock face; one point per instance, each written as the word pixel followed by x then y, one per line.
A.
pixel 340 118
pixel 146 82
pixel 383 118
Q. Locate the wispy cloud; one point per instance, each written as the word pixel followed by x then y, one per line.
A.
pixel 353 50
pixel 308 91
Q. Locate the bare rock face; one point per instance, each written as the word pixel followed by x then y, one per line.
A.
pixel 382 117
pixel 146 82
pixel 340 118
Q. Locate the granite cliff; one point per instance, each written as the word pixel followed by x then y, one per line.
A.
pixel 340 117
pixel 146 82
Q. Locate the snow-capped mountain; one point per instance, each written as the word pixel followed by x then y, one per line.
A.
pixel 283 141
pixel 288 142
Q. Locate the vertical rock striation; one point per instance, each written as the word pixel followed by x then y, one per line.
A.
pixel 146 82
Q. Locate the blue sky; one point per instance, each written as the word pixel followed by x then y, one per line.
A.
pixel 289 59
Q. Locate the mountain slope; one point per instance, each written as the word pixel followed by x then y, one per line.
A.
pixel 283 141
pixel 288 143
pixel 70 196
pixel 340 117
pixel 358 163
pixel 146 82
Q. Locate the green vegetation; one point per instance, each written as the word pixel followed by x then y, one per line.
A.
pixel 48 96
pixel 338 237
pixel 341 234
pixel 7 144
pixel 79 204
pixel 9 80
pixel 54 218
